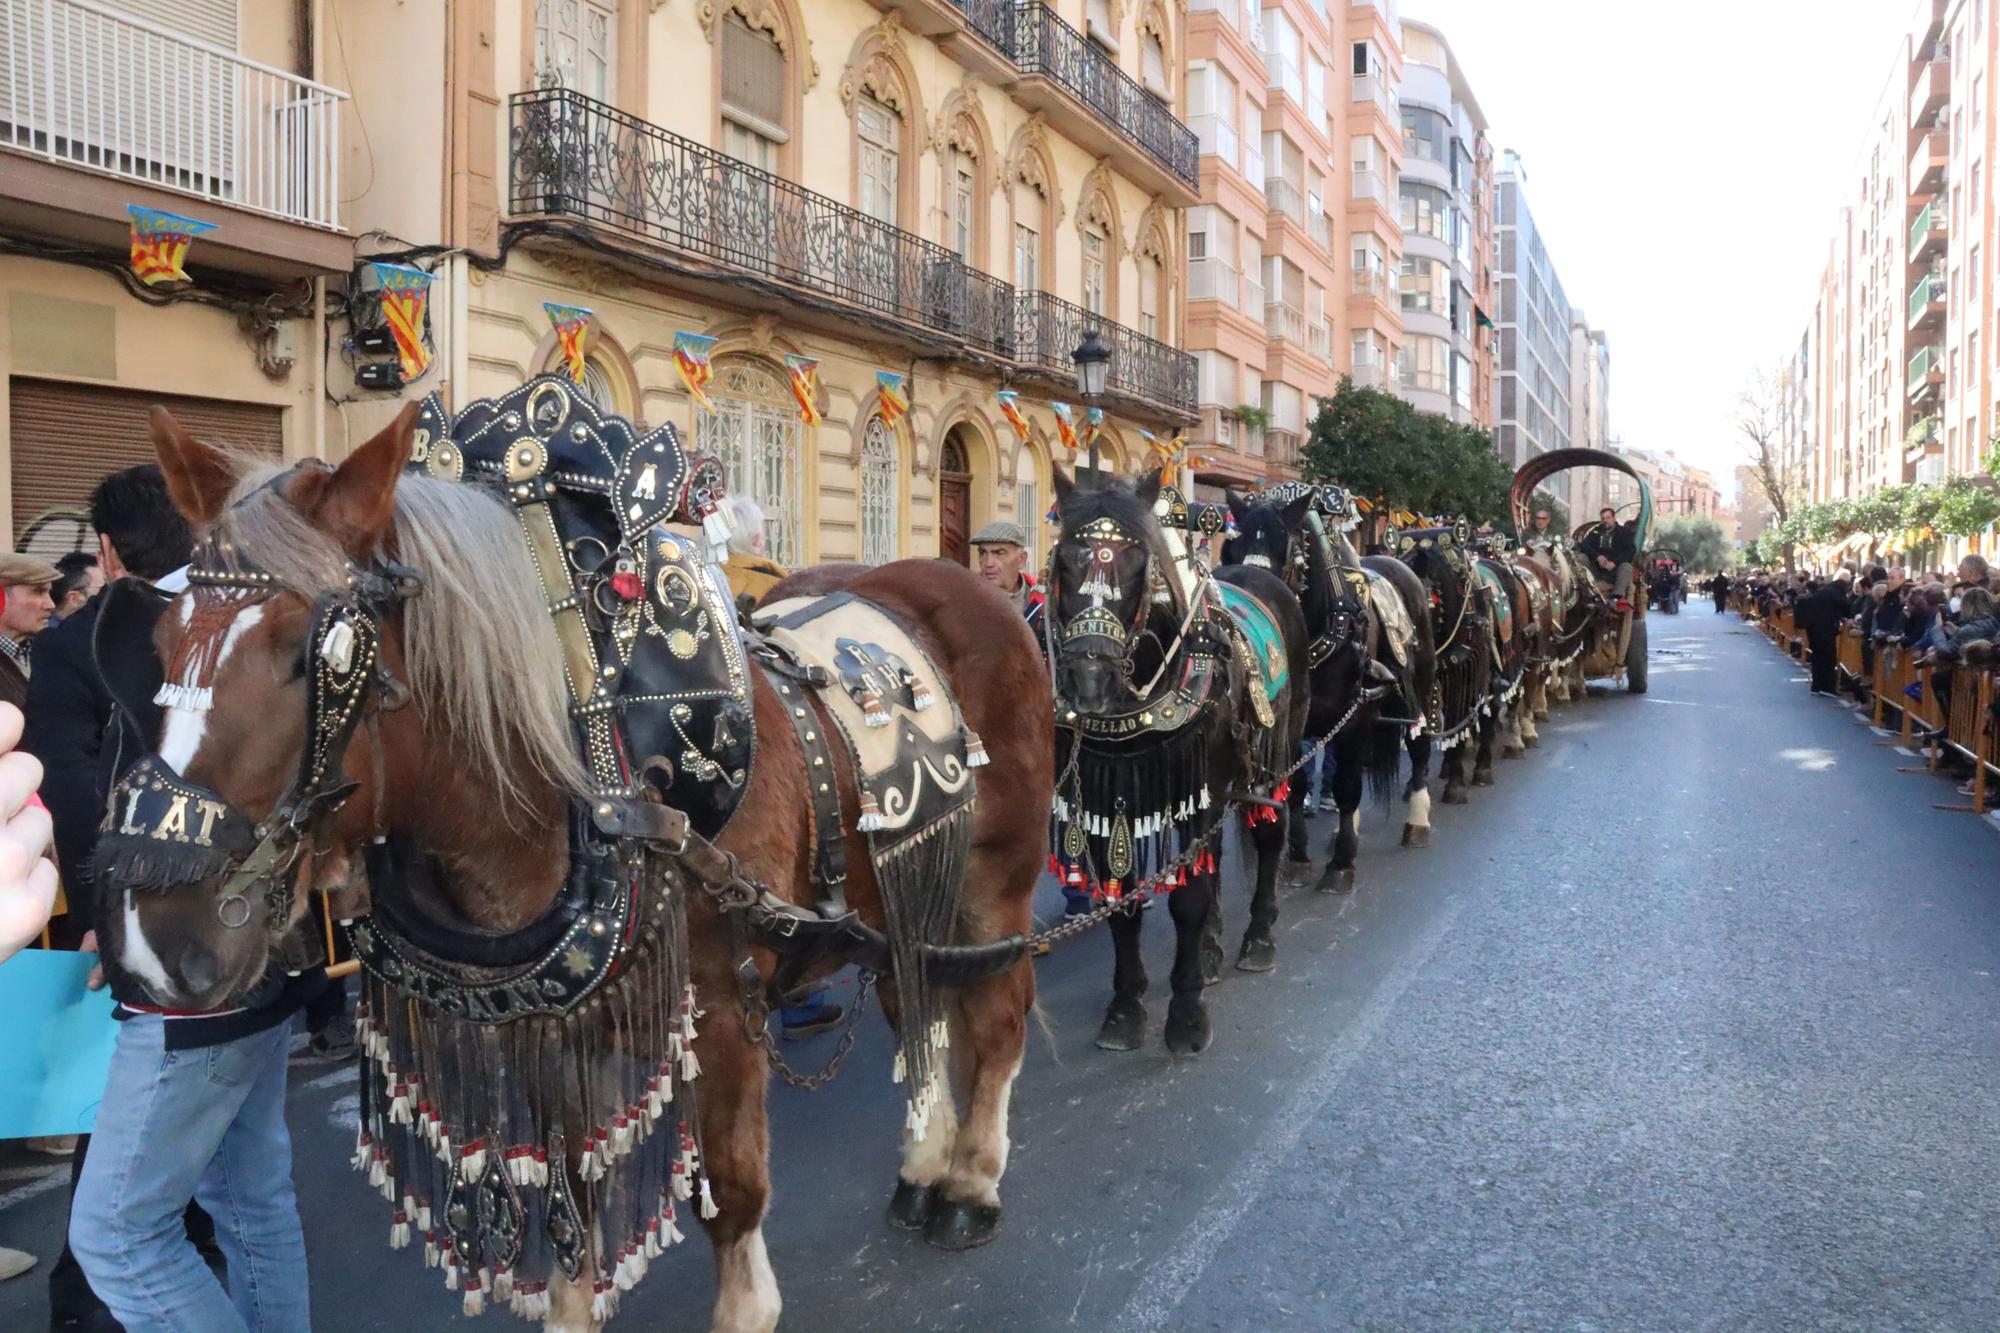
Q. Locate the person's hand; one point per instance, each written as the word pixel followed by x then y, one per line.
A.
pixel 95 981
pixel 27 876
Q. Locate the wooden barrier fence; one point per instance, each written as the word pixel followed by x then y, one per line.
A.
pixel 1918 703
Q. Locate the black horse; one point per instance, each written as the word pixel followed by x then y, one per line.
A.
pixel 1176 691
pixel 1462 714
pixel 1358 685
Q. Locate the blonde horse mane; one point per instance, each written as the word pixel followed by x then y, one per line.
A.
pixel 485 665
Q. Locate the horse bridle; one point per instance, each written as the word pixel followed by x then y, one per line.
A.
pixel 164 832
pixel 1107 540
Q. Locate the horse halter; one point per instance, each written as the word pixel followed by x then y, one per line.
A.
pixel 1107 540
pixel 164 832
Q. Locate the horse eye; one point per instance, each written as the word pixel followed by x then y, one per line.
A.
pixel 298 665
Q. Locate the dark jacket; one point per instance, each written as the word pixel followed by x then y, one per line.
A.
pixel 1821 612
pixel 84 743
pixel 13 683
pixel 1618 544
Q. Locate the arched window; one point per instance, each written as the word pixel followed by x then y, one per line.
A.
pixel 878 131
pixel 1030 226
pixel 755 431
pixel 1152 296
pixel 877 487
pixel 1028 500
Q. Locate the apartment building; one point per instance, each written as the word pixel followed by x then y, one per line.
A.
pixel 955 191
pixel 1535 319
pixel 1894 379
pixel 1445 195
pixel 1590 413
pixel 190 107
pixel 1294 108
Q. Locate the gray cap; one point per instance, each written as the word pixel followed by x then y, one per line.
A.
pixel 1001 533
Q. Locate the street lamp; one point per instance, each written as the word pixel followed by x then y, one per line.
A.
pixel 1093 372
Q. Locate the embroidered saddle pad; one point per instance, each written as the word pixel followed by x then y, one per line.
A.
pixel 1501 601
pixel 655 667
pixel 1260 630
pixel 1398 630
pixel 912 753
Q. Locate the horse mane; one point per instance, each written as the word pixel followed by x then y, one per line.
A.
pixel 485 664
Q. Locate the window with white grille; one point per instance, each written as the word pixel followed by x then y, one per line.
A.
pixel 576 45
pixel 755 431
pixel 1027 257
pixel 878 127
pixel 753 93
pixel 879 472
pixel 1028 501
pixel 1093 272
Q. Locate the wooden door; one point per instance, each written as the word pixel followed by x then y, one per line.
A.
pixel 954 504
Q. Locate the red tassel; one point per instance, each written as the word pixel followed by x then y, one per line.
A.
pixel 1113 891
pixel 1055 867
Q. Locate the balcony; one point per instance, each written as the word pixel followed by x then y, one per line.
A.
pixel 1283 321
pixel 1319 340
pixel 1927 300
pixel 712 218
pixel 1285 77
pixel 1368 187
pixel 1209 279
pixel 1048 330
pixel 1080 86
pixel 1927 233
pixel 1286 198
pixel 1368 375
pixel 1217 138
pixel 1923 438
pixel 1253 159
pixel 1253 295
pixel 1282 447
pixel 101 111
pixel 1320 227
pixel 1933 90
pixel 1927 164
pixel 1371 88
pixel 1371 282
pixel 1926 373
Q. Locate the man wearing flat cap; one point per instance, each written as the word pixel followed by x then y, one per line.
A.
pixel 1002 550
pixel 24 581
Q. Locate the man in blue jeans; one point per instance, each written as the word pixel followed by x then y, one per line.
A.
pixel 194 1105
pixel 204 1122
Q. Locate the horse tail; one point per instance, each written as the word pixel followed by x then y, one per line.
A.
pixel 1383 761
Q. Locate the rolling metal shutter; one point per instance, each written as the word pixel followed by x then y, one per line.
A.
pixel 67 437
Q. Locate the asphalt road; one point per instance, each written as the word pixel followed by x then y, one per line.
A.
pixel 1689 1023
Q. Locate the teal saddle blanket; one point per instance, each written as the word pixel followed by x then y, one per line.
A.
pixel 1260 627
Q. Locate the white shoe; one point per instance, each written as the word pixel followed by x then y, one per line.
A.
pixel 13 1263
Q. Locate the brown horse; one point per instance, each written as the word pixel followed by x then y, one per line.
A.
pixel 467 750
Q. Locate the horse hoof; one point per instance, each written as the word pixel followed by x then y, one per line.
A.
pixel 961 1225
pixel 1482 777
pixel 1298 856
pixel 912 1206
pixel 1455 796
pixel 1211 961
pixel 1416 835
pixel 1124 1026
pixel 1188 1033
pixel 1257 955
pixel 1337 881
pixel 1541 715
pixel 1530 742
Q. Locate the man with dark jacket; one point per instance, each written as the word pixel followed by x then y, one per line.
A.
pixel 1818 615
pixel 1612 547
pixel 131 1191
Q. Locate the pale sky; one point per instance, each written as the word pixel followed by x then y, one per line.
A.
pixel 1686 165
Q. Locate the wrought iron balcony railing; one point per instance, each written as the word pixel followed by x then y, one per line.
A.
pixel 1048 330
pixel 1046 45
pixel 991 19
pixel 572 156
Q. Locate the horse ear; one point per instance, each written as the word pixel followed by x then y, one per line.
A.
pixel 1148 489
pixel 1065 487
pixel 1236 506
pixel 357 500
pixel 1295 512
pixel 198 475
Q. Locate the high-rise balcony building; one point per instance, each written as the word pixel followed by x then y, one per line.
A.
pixel 1445 282
pixel 1535 333
pixel 1293 247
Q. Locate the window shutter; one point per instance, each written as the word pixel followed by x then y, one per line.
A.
pixel 753 73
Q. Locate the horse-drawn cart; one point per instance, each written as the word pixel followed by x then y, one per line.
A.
pixel 1605 634
pixel 1666 580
